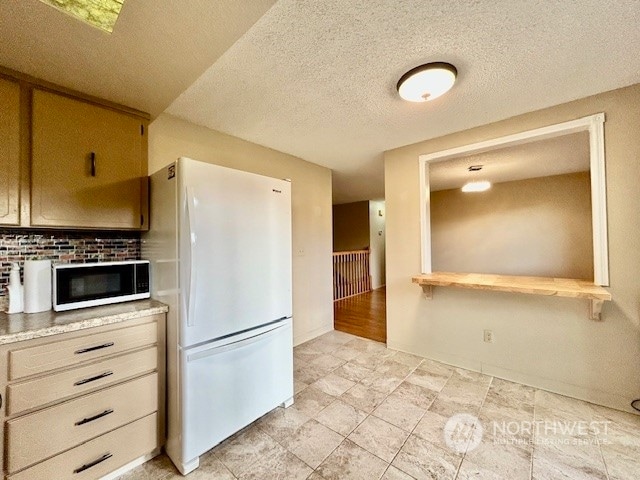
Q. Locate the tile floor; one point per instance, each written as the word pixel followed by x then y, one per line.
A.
pixel 363 411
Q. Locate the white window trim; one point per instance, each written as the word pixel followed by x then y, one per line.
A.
pixel 594 124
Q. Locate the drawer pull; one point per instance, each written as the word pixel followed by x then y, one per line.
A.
pixel 87 466
pixel 91 349
pixel 92 379
pixel 95 417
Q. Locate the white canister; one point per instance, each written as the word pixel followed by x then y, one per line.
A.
pixel 37 286
pixel 16 292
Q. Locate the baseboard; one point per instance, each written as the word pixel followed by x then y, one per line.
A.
pixel 310 335
pixel 591 395
pixel 131 465
pixel 442 357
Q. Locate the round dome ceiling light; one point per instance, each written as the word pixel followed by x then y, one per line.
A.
pixel 427 81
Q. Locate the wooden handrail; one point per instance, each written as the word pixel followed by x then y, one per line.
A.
pixel 350 273
pixel 346 252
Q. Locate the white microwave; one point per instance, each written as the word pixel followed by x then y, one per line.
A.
pixel 79 285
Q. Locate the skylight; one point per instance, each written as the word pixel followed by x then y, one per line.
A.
pixel 98 13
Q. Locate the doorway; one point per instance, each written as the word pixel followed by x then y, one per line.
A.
pixel 363 315
pixel 359 269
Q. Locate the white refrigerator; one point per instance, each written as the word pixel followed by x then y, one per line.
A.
pixel 220 250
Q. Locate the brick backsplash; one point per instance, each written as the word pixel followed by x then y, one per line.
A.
pixel 64 247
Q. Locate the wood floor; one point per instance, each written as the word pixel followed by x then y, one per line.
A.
pixel 363 315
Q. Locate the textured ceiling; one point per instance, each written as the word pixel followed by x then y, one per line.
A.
pixel 540 158
pixel 157 49
pixel 317 78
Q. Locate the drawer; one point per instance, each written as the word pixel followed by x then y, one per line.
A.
pixel 40 435
pixel 44 390
pixel 65 353
pixel 100 456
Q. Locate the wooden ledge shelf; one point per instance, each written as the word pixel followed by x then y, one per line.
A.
pixel 559 287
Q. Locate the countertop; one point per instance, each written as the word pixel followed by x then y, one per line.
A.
pixel 26 326
pixel 560 287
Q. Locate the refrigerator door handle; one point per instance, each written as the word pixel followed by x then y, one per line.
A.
pixel 234 345
pixel 191 297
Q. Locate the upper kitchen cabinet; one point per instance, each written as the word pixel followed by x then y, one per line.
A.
pixel 88 165
pixel 9 152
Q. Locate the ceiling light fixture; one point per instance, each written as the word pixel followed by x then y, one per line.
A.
pixel 427 81
pixel 98 13
pixel 476 186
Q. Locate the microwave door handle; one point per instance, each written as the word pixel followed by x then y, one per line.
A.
pixel 191 205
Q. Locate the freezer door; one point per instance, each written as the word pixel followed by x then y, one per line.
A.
pixel 235 246
pixel 231 383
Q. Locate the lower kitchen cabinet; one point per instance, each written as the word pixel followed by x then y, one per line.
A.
pixel 107 452
pixel 82 405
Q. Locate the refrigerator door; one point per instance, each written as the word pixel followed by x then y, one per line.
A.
pixel 235 250
pixel 232 382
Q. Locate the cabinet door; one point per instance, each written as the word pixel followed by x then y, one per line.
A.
pixel 9 151
pixel 88 165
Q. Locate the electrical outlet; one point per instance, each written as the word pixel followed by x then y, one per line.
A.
pixel 488 336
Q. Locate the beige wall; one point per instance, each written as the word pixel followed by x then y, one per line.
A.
pixel 539 226
pixel 350 226
pixel 170 138
pixel 543 341
pixel 376 238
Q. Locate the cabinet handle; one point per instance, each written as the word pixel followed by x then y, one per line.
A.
pixel 92 379
pixel 91 349
pixel 87 466
pixel 93 164
pixel 95 417
pixel 0 400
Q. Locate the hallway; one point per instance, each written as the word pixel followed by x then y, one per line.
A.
pixel 363 315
